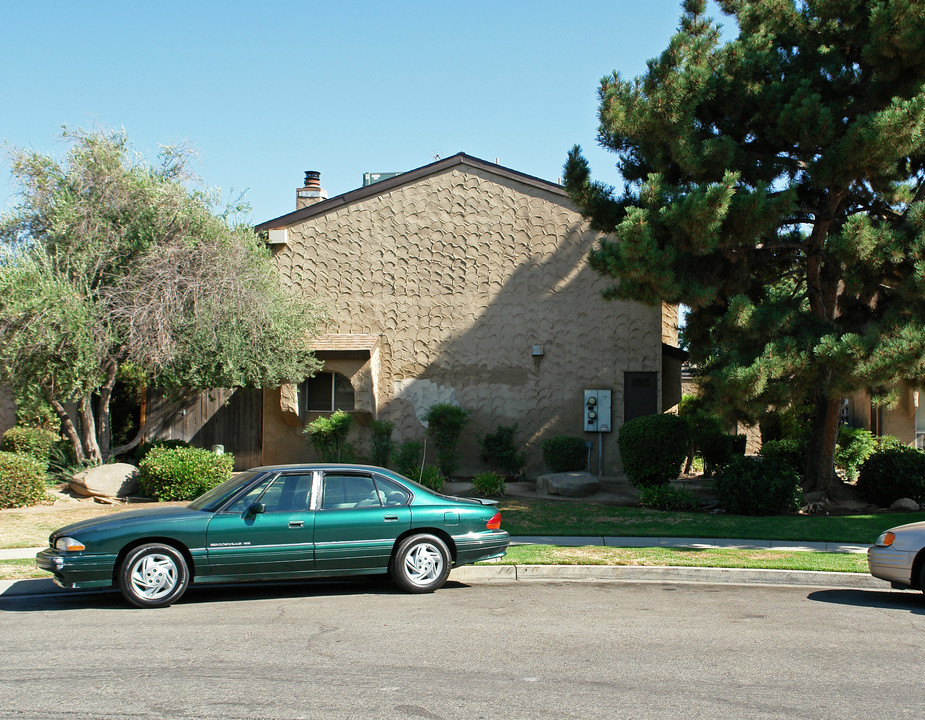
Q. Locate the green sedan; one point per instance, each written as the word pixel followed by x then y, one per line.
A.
pixel 280 522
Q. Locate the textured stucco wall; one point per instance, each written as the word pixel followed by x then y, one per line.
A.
pixel 462 273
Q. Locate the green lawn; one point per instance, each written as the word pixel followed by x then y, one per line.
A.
pixel 672 557
pixel 555 517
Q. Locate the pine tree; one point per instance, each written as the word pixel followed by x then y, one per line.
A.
pixel 774 184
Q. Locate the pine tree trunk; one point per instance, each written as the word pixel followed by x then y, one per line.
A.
pixel 820 459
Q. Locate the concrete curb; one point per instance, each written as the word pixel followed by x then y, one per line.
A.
pixel 636 573
pixel 696 543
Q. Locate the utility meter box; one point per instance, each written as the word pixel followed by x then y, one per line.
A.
pixel 597 411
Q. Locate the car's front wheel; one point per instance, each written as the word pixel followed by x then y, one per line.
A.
pixel 153 575
pixel 421 564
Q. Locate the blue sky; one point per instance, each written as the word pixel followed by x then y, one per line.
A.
pixel 266 90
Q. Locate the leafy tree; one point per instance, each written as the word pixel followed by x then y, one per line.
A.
pixel 774 184
pixel 108 261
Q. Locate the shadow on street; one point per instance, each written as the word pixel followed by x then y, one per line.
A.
pixel 913 601
pixel 111 599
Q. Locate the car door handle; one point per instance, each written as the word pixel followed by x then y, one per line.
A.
pixel 296 523
pixel 390 518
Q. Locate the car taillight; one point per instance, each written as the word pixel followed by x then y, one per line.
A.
pixel 495 522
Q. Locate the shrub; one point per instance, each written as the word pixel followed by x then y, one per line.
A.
pixel 854 446
pixel 893 472
pixel 653 448
pixel 145 447
pixel 758 486
pixel 668 497
pixel 62 461
pixel 328 435
pixel 719 448
pixel 382 444
pixel 565 453
pixel 498 450
pixel 789 452
pixel 182 473
pixel 703 425
pixel 488 483
pixel 432 478
pixel 445 422
pixel 22 480
pixel 408 459
pixel 33 441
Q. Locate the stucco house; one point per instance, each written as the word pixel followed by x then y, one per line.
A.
pixel 905 420
pixel 462 281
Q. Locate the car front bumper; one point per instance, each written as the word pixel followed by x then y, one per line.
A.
pixel 77 570
pixel 888 563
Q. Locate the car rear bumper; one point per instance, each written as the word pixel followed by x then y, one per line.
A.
pixel 890 564
pixel 77 570
pixel 483 546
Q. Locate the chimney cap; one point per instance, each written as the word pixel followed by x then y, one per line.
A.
pixel 312 178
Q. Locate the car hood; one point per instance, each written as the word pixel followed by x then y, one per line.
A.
pixel 916 528
pixel 160 515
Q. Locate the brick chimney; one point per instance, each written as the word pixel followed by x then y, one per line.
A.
pixel 311 192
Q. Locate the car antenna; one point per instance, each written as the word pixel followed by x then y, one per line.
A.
pixel 423 459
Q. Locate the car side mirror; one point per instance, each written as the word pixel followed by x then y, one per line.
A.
pixel 256 509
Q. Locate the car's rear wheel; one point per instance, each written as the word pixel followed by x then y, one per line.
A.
pixel 421 564
pixel 153 575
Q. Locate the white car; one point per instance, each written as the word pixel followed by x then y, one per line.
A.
pixel 899 556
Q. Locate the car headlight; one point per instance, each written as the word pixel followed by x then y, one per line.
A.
pixel 69 544
pixel 886 539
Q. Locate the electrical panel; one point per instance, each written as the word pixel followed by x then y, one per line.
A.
pixel 597 411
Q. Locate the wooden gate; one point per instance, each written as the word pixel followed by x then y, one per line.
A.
pixel 232 418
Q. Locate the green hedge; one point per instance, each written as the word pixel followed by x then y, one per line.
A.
pixel 758 486
pixel 653 448
pixel 328 435
pixel 445 423
pixel 32 441
pixel 182 473
pixel 565 453
pixel 499 451
pixel 489 483
pixel 22 480
pixel 432 477
pixel 719 448
pixel 142 450
pixel 895 472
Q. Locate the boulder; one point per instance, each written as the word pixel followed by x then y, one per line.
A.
pixel 905 504
pixel 114 480
pixel 567 484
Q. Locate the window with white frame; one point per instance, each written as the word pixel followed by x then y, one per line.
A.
pixel 327 392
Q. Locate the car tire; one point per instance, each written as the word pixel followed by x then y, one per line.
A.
pixel 421 564
pixel 153 575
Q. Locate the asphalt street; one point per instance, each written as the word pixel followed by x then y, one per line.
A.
pixel 471 650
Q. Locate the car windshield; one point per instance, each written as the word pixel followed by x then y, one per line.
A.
pixel 217 496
